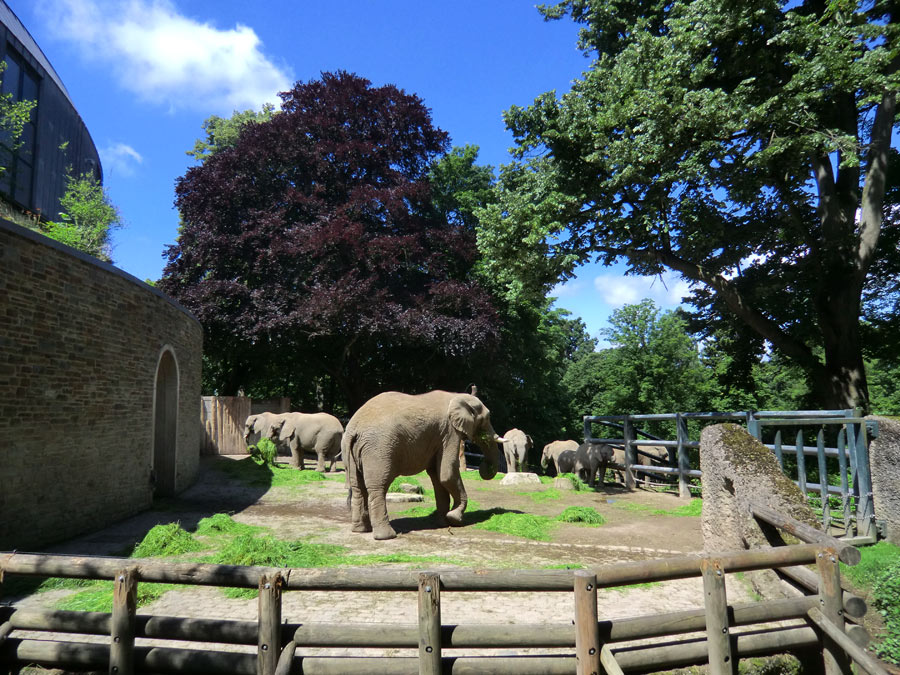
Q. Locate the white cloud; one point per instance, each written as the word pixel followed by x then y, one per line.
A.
pixel 169 59
pixel 618 290
pixel 119 158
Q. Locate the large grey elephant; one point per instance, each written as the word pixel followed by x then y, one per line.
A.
pixel 257 427
pixel 516 446
pixel 395 434
pixel 311 432
pixel 592 459
pixel 554 450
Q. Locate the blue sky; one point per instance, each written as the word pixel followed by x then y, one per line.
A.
pixel 144 74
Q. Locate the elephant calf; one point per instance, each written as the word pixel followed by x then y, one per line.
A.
pixel 516 446
pixel 592 459
pixel 311 432
pixel 554 451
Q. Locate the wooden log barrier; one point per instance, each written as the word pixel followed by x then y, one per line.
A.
pixel 857 653
pixel 587 633
pixel 351 579
pixel 853 605
pixel 849 555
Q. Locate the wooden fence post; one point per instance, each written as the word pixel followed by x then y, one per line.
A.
pixel 832 606
pixel 269 638
pixel 718 640
pixel 587 630
pixel 684 464
pixel 429 624
pixel 630 451
pixel 121 648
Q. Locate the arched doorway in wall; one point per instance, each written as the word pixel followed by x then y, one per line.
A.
pixel 165 425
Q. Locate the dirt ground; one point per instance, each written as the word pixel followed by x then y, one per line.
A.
pixel 318 511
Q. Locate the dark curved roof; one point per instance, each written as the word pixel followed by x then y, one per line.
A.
pixel 9 19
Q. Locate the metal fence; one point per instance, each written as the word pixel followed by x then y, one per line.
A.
pixel 838 439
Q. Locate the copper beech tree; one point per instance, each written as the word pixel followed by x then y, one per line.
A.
pixel 311 252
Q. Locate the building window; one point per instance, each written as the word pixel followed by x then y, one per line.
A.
pixel 20 80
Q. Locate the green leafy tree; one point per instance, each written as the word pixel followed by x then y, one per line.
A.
pixel 14 115
pixel 744 145
pixel 222 133
pixel 652 366
pixel 87 218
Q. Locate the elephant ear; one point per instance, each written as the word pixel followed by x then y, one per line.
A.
pixel 462 416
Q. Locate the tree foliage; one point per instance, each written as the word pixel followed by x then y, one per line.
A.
pixel 14 115
pixel 311 252
pixel 87 218
pixel 652 365
pixel 223 133
pixel 744 145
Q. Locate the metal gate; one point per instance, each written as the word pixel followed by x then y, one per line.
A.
pixel 838 440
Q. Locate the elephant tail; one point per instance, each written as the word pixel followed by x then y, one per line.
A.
pixel 351 469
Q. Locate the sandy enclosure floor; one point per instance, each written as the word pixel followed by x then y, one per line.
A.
pixel 318 511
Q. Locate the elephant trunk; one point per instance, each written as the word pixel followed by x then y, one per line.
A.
pixel 491 450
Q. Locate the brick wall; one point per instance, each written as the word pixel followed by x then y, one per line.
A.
pixel 80 346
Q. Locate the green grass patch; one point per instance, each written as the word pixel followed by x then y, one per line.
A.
pixel 223 525
pixel 547 495
pixel 167 539
pixel 98 597
pixel 878 575
pixel 584 515
pixel 564 566
pixel 522 525
pixel 264 452
pixel 252 473
pixel 692 509
pixel 875 560
pixel 547 480
pixel 580 485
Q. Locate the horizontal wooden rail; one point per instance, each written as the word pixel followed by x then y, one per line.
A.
pixel 853 605
pixel 854 651
pixel 351 579
pixel 639 658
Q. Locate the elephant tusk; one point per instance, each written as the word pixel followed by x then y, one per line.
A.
pixel 499 439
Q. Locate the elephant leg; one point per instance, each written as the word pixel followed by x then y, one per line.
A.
pixel 381 525
pixel 359 509
pixel 441 497
pixel 320 460
pixel 452 483
pixel 601 472
pixel 296 455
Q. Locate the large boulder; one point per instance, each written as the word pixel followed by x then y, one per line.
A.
pixel 884 459
pixel 521 478
pixel 739 470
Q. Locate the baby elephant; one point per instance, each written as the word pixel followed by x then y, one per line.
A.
pixel 592 459
pixel 313 432
pixel 562 454
pixel 515 449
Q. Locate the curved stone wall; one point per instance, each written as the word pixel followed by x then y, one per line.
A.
pixel 99 392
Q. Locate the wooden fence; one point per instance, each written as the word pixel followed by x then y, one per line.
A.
pixel 855 514
pixel 812 623
pixel 223 420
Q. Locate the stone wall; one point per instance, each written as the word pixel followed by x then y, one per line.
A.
pixel 83 431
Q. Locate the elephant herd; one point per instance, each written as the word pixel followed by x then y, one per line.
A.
pixel 395 434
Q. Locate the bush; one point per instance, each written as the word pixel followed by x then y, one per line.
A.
pixel 885 593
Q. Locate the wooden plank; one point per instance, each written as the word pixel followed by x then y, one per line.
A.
pixel 587 633
pixel 801 465
pixel 608 661
pixel 853 605
pixel 823 479
pixel 718 641
pixel 849 555
pixel 121 648
pixel 269 641
pixel 630 454
pixel 684 464
pixel 429 624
